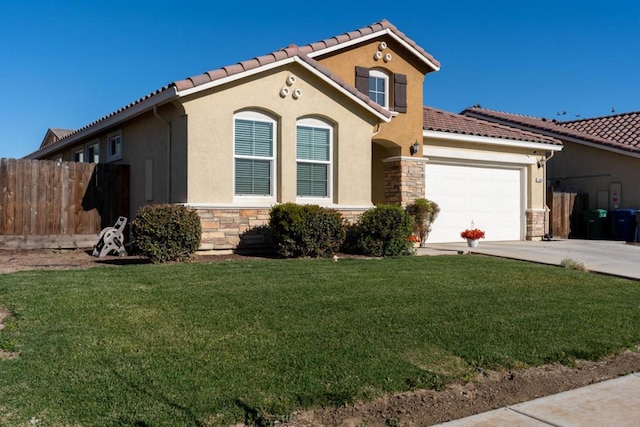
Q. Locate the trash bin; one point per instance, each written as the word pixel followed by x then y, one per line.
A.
pixel 624 224
pixel 594 223
pixel 638 226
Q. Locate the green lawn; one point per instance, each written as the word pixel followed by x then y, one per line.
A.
pixel 208 344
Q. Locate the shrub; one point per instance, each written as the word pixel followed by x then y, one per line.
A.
pixel 166 233
pixel 382 231
pixel 306 230
pixel 423 212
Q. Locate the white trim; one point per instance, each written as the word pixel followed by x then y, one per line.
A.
pixel 542 210
pixel 456 155
pixel 269 206
pixel 312 122
pixel 503 142
pixel 117 156
pixel 115 119
pixel 384 76
pixel 253 115
pixel 377 34
pixel 405 159
pixel 278 64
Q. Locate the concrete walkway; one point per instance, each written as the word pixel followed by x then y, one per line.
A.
pixel 609 403
pixel 601 256
pixel 614 402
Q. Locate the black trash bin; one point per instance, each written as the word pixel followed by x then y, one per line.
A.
pixel 624 224
pixel 594 223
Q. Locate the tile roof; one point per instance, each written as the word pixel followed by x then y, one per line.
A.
pixel 623 128
pixel 573 129
pixel 54 135
pixel 444 121
pixel 304 53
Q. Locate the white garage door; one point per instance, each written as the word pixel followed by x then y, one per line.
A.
pixel 490 197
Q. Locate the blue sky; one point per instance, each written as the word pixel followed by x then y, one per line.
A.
pixel 68 63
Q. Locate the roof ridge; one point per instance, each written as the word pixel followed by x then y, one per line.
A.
pixel 630 113
pixel 479 109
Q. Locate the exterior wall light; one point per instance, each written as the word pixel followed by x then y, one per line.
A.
pixel 414 148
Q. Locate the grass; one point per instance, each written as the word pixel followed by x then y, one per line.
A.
pixel 210 344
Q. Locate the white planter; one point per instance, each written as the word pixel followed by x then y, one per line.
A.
pixel 472 243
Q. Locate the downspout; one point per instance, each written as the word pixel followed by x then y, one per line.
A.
pixel 168 123
pixel 547 227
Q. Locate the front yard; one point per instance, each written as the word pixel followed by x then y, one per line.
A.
pixel 254 340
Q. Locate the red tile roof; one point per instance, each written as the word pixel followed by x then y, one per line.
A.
pixel 291 51
pixel 623 128
pixel 307 51
pixel 444 121
pixel 591 130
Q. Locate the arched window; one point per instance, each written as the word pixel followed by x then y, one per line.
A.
pixel 254 154
pixel 314 156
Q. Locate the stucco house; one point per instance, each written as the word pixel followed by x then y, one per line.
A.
pixel 340 123
pixel 600 160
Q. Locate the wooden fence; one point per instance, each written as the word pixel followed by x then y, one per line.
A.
pixel 566 216
pixel 45 204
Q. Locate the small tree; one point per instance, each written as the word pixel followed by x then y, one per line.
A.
pixel 424 212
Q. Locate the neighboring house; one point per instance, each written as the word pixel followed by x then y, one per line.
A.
pixel 339 123
pixel 600 158
pixel 487 173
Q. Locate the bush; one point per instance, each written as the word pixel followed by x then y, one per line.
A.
pixel 306 230
pixel 166 233
pixel 382 231
pixel 423 212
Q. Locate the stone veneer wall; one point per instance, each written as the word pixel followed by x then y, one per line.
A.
pixel 535 224
pixel 225 229
pixel 403 179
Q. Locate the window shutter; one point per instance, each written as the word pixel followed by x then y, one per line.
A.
pixel 400 93
pixel 362 80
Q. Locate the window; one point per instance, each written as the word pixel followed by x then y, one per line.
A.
pixel 93 153
pixel 379 87
pixel 78 156
pixel 313 155
pixel 376 84
pixel 114 147
pixel 254 154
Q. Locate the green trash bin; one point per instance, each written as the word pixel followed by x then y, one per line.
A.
pixel 594 223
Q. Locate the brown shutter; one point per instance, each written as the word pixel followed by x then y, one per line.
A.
pixel 362 80
pixel 400 93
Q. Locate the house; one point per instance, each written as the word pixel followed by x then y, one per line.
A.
pixel 339 123
pixel 600 159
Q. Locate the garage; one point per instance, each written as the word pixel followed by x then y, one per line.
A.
pixel 492 197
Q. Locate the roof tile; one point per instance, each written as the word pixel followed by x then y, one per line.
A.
pixel 200 79
pixel 444 121
pixel 589 130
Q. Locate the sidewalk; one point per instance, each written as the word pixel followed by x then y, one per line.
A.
pixel 609 403
pixel 614 402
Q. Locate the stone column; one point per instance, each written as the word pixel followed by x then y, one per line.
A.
pixel 535 223
pixel 403 179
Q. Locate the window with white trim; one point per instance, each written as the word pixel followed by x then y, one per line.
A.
pixel 78 155
pixel 93 153
pixel 314 158
pixel 254 154
pixel 114 147
pixel 379 87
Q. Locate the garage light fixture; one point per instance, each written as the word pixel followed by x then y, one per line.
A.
pixel 414 148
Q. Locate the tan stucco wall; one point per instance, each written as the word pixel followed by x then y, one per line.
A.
pixel 588 170
pixel 210 129
pixel 145 138
pixel 405 128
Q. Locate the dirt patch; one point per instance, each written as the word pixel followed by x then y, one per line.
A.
pixel 4 313
pixel 487 391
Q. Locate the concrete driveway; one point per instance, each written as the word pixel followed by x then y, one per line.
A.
pixel 602 256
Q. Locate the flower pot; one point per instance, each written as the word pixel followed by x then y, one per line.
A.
pixel 472 243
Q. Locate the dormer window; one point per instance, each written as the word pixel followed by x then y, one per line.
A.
pixel 379 87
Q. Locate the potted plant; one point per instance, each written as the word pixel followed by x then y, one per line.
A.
pixel 423 212
pixel 473 235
